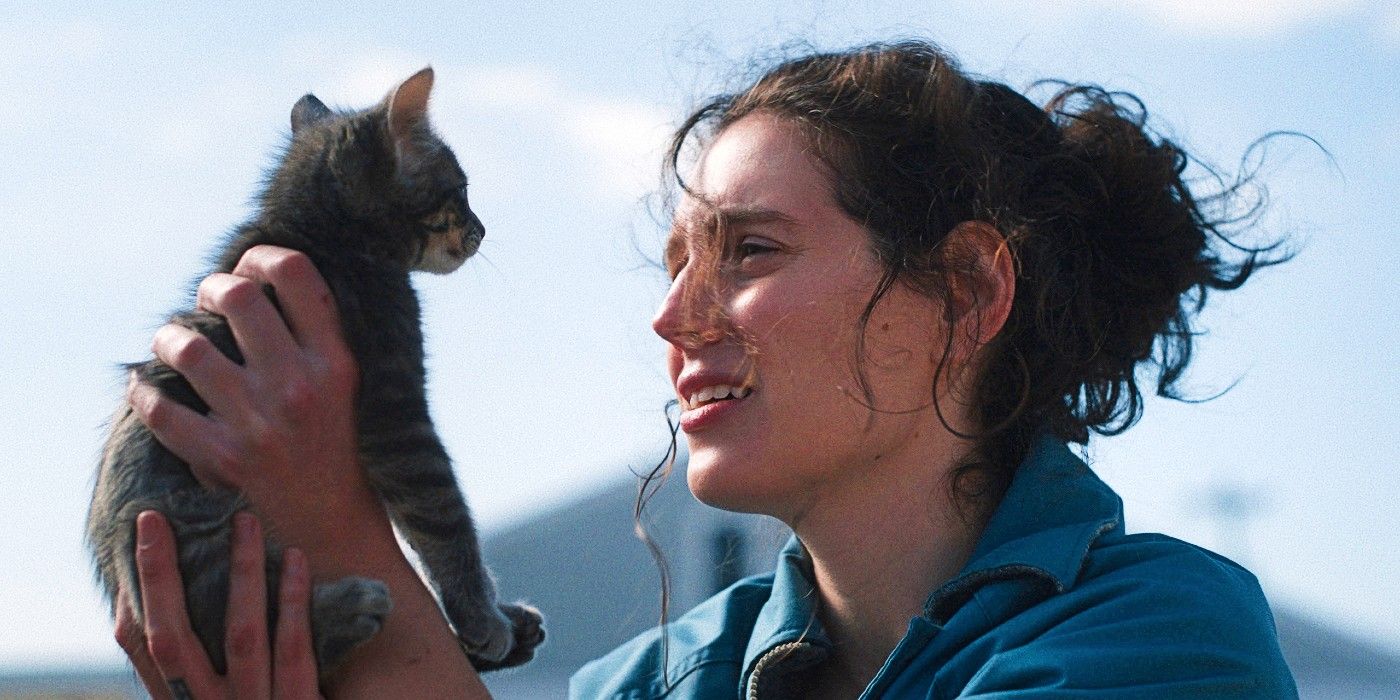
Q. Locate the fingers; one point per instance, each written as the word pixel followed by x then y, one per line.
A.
pixel 169 639
pixel 295 667
pixel 213 376
pixel 133 641
pixel 246 643
pixel 258 328
pixel 307 303
pixel 194 438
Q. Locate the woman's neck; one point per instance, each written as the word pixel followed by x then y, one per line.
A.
pixel 879 545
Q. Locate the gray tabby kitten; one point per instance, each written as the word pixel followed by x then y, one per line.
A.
pixel 369 196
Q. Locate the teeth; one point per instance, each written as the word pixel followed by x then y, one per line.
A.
pixel 717 392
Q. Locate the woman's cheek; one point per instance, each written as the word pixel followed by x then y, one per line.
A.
pixel 772 311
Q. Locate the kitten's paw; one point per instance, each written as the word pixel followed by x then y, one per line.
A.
pixel 527 632
pixel 487 636
pixel 344 615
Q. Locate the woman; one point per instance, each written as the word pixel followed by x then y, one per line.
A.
pixel 898 291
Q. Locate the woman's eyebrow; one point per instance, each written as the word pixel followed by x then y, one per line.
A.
pixel 739 216
pixel 711 219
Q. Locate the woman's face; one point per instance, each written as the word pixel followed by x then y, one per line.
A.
pixel 776 327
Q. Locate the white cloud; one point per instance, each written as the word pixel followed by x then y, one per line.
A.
pixel 351 79
pixel 616 133
pixel 512 87
pixel 72 43
pixel 78 42
pixel 1237 17
pixel 623 139
pixel 35 59
pixel 619 138
pixel 1389 24
pixel 367 75
pixel 221 120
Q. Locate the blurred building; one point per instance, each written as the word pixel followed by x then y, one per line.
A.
pixel 599 586
pixel 80 684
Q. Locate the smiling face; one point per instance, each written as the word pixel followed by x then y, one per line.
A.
pixel 763 325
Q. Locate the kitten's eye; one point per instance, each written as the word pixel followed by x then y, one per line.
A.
pixel 439 222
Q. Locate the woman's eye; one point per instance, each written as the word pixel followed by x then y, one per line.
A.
pixel 751 247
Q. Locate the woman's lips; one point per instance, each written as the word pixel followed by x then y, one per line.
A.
pixel 709 414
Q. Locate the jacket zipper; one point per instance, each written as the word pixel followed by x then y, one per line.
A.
pixel 773 655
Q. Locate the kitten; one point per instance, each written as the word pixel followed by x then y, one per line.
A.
pixel 369 196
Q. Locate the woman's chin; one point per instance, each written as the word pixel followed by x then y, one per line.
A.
pixel 731 484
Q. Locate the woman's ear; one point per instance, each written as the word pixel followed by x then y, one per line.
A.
pixel 982 282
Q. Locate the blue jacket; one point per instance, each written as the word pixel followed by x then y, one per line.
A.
pixel 1055 602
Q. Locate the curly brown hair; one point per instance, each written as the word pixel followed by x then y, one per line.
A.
pixel 1114 252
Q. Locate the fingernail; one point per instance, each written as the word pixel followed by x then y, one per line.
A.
pixel 136 393
pixel 131 383
pixel 146 528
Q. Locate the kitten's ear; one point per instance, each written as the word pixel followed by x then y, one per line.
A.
pixel 408 105
pixel 308 110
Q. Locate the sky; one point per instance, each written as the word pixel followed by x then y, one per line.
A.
pixel 134 137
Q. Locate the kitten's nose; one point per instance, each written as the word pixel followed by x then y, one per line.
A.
pixel 472 233
pixel 475 230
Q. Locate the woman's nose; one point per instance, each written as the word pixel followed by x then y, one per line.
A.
pixel 677 320
pixel 668 319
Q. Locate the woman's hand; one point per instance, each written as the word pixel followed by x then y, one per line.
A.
pixel 281 426
pixel 169 657
pixel 281 429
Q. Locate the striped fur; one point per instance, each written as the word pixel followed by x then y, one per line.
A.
pixel 368 196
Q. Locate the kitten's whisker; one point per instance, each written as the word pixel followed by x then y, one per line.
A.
pixel 493 265
pixel 481 254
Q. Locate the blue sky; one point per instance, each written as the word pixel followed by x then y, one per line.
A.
pixel 133 137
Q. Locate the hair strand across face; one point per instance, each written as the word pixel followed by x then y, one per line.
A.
pixel 1115 249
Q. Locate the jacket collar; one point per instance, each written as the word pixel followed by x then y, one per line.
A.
pixel 786 636
pixel 1053 511
pixel 791 611
pixel 1051 515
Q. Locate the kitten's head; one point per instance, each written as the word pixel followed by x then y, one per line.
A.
pixel 382 171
